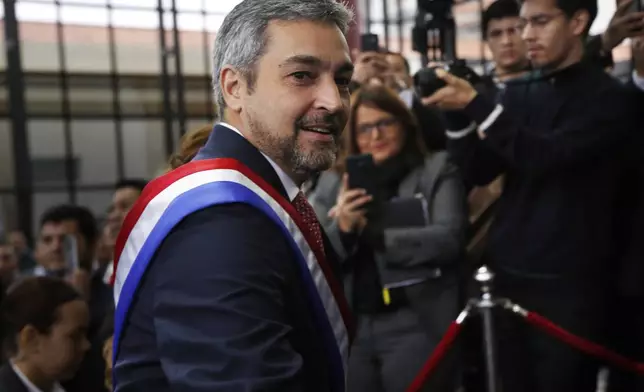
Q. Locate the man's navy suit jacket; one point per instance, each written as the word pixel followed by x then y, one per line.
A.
pixel 221 307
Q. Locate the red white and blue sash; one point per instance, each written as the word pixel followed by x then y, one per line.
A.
pixel 169 199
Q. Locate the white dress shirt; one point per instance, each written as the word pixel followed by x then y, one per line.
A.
pixel 289 185
pixel 29 385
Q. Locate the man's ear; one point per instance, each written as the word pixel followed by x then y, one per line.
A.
pixel 28 338
pixel 580 21
pixel 232 86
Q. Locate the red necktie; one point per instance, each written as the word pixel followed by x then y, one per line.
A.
pixel 310 220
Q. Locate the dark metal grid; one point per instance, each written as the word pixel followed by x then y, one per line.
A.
pixel 15 80
pixel 123 7
pixel 165 84
pixel 181 105
pixel 22 164
pixel 66 107
pixel 116 102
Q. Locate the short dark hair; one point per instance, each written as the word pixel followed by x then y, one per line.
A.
pixel 33 301
pixel 570 7
pixel 136 183
pixel 500 9
pixel 86 221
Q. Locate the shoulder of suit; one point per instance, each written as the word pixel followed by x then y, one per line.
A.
pixel 9 380
pixel 438 162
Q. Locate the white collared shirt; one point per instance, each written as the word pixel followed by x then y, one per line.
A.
pixel 29 385
pixel 289 185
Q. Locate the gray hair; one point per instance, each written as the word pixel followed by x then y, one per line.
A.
pixel 241 41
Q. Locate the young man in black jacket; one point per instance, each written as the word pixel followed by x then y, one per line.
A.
pixel 559 140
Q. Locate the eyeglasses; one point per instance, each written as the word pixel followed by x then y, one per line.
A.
pixel 538 21
pixel 382 125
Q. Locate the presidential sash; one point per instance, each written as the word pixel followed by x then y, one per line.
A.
pixel 200 184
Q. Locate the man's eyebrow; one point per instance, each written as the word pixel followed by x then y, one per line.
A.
pixel 302 60
pixel 314 62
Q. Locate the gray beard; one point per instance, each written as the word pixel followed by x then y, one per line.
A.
pixel 286 152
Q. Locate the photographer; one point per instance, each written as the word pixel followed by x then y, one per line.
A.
pixel 559 145
pixel 392 70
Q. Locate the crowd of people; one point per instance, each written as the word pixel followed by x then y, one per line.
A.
pixel 536 172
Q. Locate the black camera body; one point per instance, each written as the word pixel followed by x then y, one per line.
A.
pixel 427 82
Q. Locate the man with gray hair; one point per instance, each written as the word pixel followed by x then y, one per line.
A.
pixel 224 279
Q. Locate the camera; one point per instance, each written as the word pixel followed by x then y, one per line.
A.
pixel 427 82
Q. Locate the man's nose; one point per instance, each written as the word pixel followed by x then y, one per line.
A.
pixel 329 96
pixel 528 33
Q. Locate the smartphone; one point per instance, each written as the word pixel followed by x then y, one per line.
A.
pixel 369 43
pixel 70 250
pixel 362 173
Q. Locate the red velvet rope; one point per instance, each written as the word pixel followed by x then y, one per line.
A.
pixel 582 344
pixel 438 354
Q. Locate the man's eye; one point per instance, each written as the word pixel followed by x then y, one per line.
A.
pixel 302 76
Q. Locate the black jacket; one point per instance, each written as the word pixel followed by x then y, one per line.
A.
pixel 560 141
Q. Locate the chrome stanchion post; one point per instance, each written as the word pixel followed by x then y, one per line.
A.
pixel 485 279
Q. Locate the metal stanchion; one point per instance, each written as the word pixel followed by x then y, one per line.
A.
pixel 485 304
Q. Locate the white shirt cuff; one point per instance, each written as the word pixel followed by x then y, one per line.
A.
pixel 638 81
pixel 491 118
pixel 462 133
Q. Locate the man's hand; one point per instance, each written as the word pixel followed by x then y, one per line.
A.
pixel 369 66
pixel 638 55
pixel 455 96
pixel 624 24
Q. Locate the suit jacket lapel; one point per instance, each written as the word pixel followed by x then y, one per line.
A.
pixel 9 380
pixel 226 143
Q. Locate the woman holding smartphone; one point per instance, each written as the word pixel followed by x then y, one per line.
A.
pixel 397 216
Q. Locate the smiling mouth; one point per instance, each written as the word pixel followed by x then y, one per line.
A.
pixel 320 130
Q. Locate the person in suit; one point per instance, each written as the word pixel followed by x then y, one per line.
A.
pixel 44 323
pixel 224 304
pixel 402 279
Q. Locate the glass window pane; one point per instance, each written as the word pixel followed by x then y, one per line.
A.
pixel 144 148
pixel 94 144
pixel 139 3
pixel 43 96
pixel 6 155
pixel 42 201
pixel 185 5
pixel 90 95
pixel 213 22
pixel 138 50
pixel 222 7
pixel 38 43
pixel 86 49
pixel 89 2
pixel 8 213
pixel 46 139
pixel 97 201
pixel 141 96
pixel 139 19
pixel 84 16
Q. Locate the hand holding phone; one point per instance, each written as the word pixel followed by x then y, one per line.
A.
pixel 627 22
